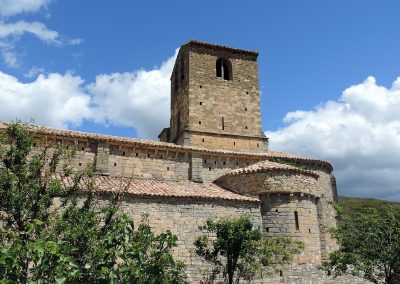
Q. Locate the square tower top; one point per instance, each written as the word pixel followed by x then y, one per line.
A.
pixel 215 99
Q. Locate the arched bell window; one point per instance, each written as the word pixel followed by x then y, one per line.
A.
pixel 224 69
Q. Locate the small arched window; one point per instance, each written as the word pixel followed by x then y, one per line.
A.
pixel 224 69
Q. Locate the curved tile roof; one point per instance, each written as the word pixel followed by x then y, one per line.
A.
pixel 161 188
pixel 73 134
pixel 268 166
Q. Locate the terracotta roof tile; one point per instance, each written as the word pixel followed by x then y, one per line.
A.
pixel 163 188
pixel 268 166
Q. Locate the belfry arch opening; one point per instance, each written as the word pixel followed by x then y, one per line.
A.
pixel 224 69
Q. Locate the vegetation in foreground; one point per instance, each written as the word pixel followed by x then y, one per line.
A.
pixel 73 240
pixel 239 251
pixel 369 239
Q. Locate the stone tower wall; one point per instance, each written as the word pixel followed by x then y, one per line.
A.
pixel 211 112
pixel 179 97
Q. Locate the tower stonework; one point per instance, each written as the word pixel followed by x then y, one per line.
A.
pixel 215 99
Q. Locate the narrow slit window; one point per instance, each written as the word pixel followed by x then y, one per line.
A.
pixel 296 220
pixel 223 123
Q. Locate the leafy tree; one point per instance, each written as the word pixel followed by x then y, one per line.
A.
pixel 369 245
pixel 233 246
pixel 53 229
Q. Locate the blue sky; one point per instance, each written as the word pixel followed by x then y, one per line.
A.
pixel 68 64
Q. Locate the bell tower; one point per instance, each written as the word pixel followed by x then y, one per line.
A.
pixel 215 99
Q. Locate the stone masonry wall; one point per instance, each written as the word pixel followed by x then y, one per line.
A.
pixel 279 213
pixel 219 141
pixel 253 184
pixel 242 113
pixel 183 217
pixel 326 213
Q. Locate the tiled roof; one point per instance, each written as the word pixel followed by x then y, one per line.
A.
pixel 162 188
pixel 223 47
pixel 268 166
pixel 49 131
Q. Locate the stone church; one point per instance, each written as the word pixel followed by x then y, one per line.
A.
pixel 214 161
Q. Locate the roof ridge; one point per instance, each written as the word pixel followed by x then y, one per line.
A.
pixel 218 46
pixel 268 166
pixel 46 130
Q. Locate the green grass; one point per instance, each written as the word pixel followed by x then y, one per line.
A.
pixel 352 205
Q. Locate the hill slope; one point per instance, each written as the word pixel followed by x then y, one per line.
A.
pixel 353 205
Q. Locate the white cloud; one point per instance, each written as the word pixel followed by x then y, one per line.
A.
pixel 14 7
pixel 11 32
pixel 10 57
pixel 55 100
pixel 359 134
pixel 139 99
pixel 34 71
pixel 37 29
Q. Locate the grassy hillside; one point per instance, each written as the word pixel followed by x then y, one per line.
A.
pixel 353 205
